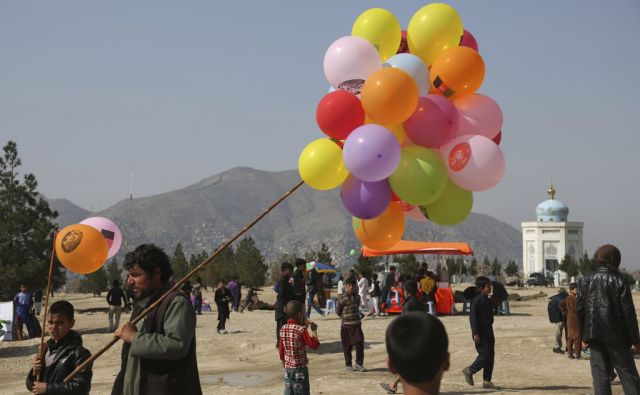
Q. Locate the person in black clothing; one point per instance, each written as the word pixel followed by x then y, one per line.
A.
pixel 37 301
pixel 389 281
pixel 481 320
pixel 116 299
pixel 285 294
pixel 608 323
pixel 556 317
pixel 411 301
pixel 498 295
pixel 63 353
pixel 312 286
pixel 299 288
pixel 222 298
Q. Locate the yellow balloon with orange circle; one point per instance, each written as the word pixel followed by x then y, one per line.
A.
pixel 381 28
pixel 432 30
pixel 81 248
pixel 321 166
pixel 382 232
pixel 389 96
pixel 457 73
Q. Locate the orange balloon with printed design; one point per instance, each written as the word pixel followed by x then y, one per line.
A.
pixel 457 73
pixel 382 232
pixel 389 96
pixel 81 248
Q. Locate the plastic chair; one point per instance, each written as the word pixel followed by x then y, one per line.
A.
pixel 330 307
pixel 503 308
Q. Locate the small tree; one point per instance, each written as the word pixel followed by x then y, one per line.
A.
pixel 367 266
pixel 512 268
pixel 113 271
pixel 250 263
pixel 485 268
pixel 569 266
pixel 222 267
pixel 585 265
pixel 95 283
pixel 496 267
pixel 473 267
pixel 179 263
pixel 408 265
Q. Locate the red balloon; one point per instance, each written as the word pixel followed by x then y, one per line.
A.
pixel 394 197
pixel 467 40
pixel 498 138
pixel 339 113
pixel 404 46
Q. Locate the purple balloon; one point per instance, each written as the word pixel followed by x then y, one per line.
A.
pixel 371 153
pixel 365 200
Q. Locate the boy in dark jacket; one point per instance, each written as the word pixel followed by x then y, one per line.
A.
pixel 62 354
pixel 222 298
pixel 351 329
pixel 481 320
pixel 608 323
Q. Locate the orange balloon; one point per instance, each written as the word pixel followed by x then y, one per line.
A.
pixel 458 72
pixel 81 248
pixel 382 232
pixel 389 96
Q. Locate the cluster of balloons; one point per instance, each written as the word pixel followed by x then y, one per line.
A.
pixel 84 248
pixel 407 134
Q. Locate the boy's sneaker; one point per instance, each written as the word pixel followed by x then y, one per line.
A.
pixel 349 368
pixel 387 388
pixel 558 350
pixel 359 368
pixel 488 384
pixel 468 376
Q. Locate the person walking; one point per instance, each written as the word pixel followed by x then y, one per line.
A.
pixel 37 301
pixel 116 299
pixel 556 317
pixel 568 307
pixel 608 323
pixel 312 287
pixel 222 298
pixel 481 320
pixel 284 294
pixel 363 291
pixel 299 281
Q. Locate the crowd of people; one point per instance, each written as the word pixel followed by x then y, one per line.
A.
pixel 159 353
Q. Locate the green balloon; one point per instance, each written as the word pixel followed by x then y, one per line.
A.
pixel 421 176
pixel 451 208
pixel 355 223
pixel 352 252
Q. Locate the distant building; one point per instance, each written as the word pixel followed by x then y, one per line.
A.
pixel 547 241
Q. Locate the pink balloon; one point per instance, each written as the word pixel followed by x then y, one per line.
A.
pixel 434 122
pixel 109 230
pixel 479 114
pixel 474 162
pixel 467 40
pixel 350 58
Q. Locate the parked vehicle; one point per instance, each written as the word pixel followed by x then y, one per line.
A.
pixel 537 279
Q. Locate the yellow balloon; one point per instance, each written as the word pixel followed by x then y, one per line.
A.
pixel 81 248
pixel 397 129
pixel 381 28
pixel 321 166
pixel 433 29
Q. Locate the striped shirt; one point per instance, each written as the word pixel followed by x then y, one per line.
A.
pixel 294 340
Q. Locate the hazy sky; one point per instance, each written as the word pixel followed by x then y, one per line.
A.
pixel 185 90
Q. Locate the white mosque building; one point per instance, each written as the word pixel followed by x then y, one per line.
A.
pixel 548 240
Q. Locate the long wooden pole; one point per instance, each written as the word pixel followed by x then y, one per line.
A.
pixel 178 284
pixel 46 301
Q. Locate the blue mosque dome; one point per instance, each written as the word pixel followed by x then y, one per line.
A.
pixel 552 210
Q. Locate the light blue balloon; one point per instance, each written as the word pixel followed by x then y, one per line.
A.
pixel 414 66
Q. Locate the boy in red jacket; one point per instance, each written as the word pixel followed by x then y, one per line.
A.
pixel 294 339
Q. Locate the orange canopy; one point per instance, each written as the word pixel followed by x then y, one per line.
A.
pixel 421 247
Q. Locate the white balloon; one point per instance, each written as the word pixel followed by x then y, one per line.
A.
pixel 414 66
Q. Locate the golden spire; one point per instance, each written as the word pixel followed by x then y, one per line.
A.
pixel 551 191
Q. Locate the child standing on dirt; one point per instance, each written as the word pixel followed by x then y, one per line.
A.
pixel 294 339
pixel 351 329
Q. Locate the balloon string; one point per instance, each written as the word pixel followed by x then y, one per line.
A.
pixel 178 284
pixel 46 303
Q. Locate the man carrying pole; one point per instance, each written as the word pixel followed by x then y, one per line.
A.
pixel 159 353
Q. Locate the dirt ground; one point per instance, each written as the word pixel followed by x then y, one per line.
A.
pixel 245 361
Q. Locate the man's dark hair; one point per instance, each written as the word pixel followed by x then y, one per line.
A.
pixel 573 286
pixel 608 254
pixel 411 287
pixel 149 257
pixel 63 308
pixel 350 280
pixel 293 309
pixel 417 345
pixel 482 282
pixel 285 265
pixel 221 281
pixel 300 262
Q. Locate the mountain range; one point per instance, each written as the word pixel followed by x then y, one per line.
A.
pixel 206 214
